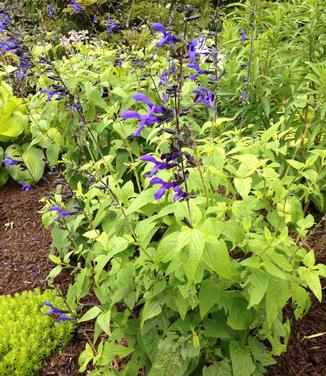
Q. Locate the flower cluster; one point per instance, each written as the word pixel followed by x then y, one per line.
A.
pixel 61 212
pixel 167 38
pixel 8 162
pixel 25 186
pixel 112 25
pixel 13 44
pixel 5 20
pixel 51 10
pixel 149 119
pixel 76 8
pixel 57 313
pixel 168 161
pixel 56 91
pixel 204 96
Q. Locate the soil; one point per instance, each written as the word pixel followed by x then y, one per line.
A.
pixel 24 249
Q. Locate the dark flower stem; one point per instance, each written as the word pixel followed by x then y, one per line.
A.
pixel 251 53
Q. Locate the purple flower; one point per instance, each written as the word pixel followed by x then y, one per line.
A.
pixel 4 20
pixel 148 119
pixel 244 96
pixel 95 20
pixel 58 313
pixel 51 10
pixel 76 106
pixel 76 8
pixel 25 186
pixel 112 25
pixel 179 194
pixel 164 187
pixel 62 213
pixel 204 96
pixel 157 165
pixel 56 91
pixel 143 98
pixel 163 78
pixel 198 71
pixel 8 161
pixel 192 50
pixel 244 35
pixel 167 38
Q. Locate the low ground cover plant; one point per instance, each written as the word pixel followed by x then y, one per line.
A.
pixel 28 335
pixel 185 168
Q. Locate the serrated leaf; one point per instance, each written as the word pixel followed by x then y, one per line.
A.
pixel 208 296
pixel 242 364
pixel 243 186
pixel 216 256
pixel 311 278
pixel 168 247
pixel 152 308
pixel 258 283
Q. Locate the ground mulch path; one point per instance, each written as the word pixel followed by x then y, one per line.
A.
pixel 24 249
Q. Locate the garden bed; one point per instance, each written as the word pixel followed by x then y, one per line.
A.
pixel 24 249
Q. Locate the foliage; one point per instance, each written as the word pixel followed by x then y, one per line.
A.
pixel 28 336
pixel 192 235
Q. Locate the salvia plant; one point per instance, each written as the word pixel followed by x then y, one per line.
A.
pixel 184 173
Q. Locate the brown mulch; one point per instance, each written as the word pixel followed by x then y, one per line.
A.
pixel 24 264
pixel 24 248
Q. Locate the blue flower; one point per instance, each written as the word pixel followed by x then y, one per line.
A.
pixel 244 96
pixel 56 91
pixel 51 10
pixel 76 8
pixel 94 19
pixel 167 38
pixel 56 312
pixel 62 213
pixel 157 165
pixel 192 50
pixel 164 187
pixel 204 96
pixel 25 186
pixel 8 161
pixel 112 25
pixel 148 119
pixel 198 71
pixel 244 35
pixel 4 20
pixel 163 78
pixel 179 194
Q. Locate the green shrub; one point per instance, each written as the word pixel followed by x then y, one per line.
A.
pixel 28 335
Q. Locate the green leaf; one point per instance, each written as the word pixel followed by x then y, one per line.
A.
pixel 103 321
pixel 278 293
pixel 216 256
pixel 242 364
pixel 90 314
pixel 52 153
pixel 258 281
pixel 168 247
pixel 309 259
pixel 152 308
pixel 311 278
pixel 222 368
pixel 295 164
pixel 194 241
pixel 149 338
pixel 243 186
pixel 208 296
